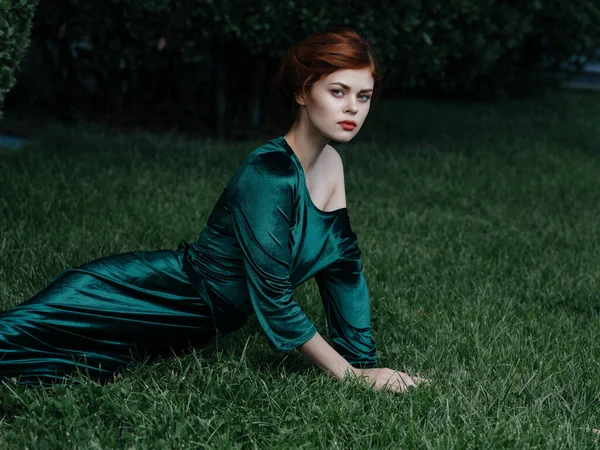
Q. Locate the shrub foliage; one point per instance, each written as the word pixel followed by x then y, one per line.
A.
pixel 191 57
pixel 15 27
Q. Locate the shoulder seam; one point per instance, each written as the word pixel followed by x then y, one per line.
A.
pixel 248 163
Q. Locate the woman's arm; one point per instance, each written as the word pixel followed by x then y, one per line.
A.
pixel 324 355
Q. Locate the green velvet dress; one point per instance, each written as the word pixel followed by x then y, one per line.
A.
pixel 263 238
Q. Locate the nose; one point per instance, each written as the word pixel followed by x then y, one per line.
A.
pixel 351 107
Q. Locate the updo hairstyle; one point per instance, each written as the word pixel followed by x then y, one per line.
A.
pixel 319 55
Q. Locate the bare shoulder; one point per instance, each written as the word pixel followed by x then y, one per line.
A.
pixel 335 165
pixel 334 162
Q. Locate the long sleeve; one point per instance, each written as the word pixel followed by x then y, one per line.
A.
pixel 346 304
pixel 261 207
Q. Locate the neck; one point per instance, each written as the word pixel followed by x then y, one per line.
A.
pixel 307 143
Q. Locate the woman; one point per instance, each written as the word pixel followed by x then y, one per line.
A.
pixel 281 220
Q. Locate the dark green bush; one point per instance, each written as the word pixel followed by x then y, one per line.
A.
pixel 451 45
pixel 489 47
pixel 15 26
pixel 186 55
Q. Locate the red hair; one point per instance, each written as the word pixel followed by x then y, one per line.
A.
pixel 321 54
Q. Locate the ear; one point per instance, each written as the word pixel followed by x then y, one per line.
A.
pixel 300 100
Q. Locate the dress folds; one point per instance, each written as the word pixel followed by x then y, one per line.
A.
pixel 95 318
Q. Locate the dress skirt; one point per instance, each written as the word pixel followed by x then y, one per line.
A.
pixel 102 316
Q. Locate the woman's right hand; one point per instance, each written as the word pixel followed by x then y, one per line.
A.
pixel 393 380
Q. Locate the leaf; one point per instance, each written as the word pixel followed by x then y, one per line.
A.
pixel 427 38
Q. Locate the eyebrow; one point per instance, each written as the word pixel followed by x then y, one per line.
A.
pixel 348 87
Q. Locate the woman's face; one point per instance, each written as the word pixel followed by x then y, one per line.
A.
pixel 342 95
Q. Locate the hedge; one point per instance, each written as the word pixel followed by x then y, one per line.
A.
pixel 15 27
pixel 192 49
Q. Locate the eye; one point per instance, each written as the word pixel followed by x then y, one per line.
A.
pixel 366 97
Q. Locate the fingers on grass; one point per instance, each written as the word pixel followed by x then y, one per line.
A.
pixel 419 380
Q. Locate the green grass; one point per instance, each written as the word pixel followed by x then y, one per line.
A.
pixel 479 227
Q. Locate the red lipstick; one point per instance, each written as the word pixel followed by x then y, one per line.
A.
pixel 348 124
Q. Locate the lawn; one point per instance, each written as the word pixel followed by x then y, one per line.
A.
pixel 479 226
